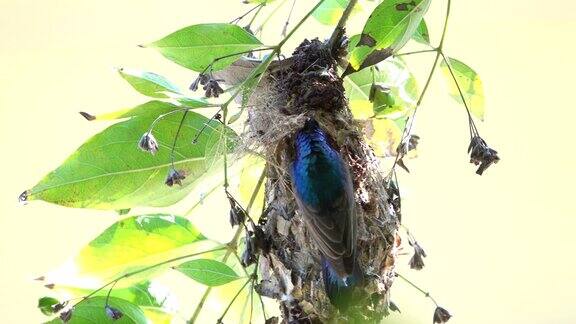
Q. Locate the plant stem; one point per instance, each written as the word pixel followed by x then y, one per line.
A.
pixel 339 30
pixel 441 46
pixel 176 137
pixel 237 20
pixel 416 52
pixel 234 299
pixel 300 24
pixel 255 15
pixel 285 28
pixel 426 294
pixel 133 273
pixel 231 245
pixel 438 50
pixel 274 11
pixel 473 130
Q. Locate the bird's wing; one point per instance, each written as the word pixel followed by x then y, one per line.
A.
pixel 331 231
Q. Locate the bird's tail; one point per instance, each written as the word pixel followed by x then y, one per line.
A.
pixel 340 290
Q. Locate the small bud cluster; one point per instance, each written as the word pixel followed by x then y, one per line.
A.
pixel 408 144
pixel 481 154
pixel 175 177
pixel 113 313
pixel 237 213
pixel 210 85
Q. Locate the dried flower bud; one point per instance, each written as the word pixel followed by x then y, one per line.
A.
pixel 394 199
pixel 213 88
pixel 23 198
pixel 201 79
pixel 481 154
pixel 249 256
pixel 441 315
pixel 87 116
pixel 393 307
pixel 67 315
pixel 58 307
pixel 408 144
pixel 175 177
pixel 237 213
pixel 113 313
pixel 417 261
pixel 148 143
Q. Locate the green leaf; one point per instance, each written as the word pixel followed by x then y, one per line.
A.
pixel 197 46
pixel 129 245
pixel 392 74
pixel 45 305
pixel 148 83
pixel 421 34
pixel 330 11
pixel 92 310
pixel 208 272
pixel 109 171
pixel 470 84
pixel 192 102
pixel 389 27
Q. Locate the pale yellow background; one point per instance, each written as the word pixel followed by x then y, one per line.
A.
pixel 501 246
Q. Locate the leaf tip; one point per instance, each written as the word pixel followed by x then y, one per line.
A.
pixel 88 116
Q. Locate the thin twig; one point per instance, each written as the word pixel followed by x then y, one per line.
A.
pixel 274 11
pixel 176 137
pixel 236 20
pixel 415 52
pixel 285 28
pixel 426 294
pixel 133 273
pixel 232 245
pixel 234 299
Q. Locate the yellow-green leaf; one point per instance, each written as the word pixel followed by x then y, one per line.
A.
pixel 129 245
pixel 392 74
pixel 385 137
pixel 470 84
pixel 389 27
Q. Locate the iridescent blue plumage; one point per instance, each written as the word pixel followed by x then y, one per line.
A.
pixel 325 196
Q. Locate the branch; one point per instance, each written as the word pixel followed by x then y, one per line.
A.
pixel 339 30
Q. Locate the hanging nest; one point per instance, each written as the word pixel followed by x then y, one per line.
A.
pixel 307 85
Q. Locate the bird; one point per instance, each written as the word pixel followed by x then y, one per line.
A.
pixel 324 194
